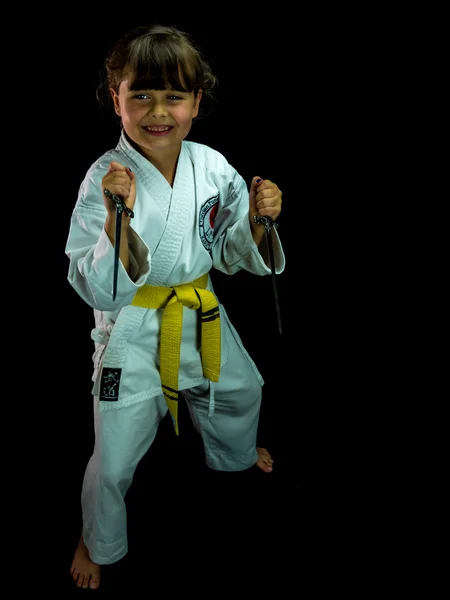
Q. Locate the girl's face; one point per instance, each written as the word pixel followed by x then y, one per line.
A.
pixel 156 120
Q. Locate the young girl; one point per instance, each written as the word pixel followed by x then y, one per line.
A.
pixel 164 333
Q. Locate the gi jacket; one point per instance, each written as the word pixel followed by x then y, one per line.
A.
pixel 177 235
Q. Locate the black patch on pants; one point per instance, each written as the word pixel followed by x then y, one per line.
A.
pixel 109 386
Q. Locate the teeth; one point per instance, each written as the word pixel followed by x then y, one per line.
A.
pixel 158 128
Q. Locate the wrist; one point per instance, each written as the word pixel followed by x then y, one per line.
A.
pixel 257 234
pixel 110 224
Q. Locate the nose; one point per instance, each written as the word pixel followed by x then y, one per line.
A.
pixel 158 109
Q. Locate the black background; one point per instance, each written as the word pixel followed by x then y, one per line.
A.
pixel 312 98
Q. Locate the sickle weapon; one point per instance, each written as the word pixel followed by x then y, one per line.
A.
pixel 269 224
pixel 120 207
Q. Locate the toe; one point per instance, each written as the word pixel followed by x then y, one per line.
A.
pixel 80 580
pixel 94 584
pixel 265 466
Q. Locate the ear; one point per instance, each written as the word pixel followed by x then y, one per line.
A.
pixel 115 98
pixel 197 103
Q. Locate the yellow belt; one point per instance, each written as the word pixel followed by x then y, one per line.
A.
pixel 172 299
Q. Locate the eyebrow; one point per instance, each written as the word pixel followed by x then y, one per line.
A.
pixel 146 89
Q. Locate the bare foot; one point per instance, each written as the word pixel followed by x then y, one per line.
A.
pixel 84 572
pixel 264 461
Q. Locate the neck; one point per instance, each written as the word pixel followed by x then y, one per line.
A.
pixel 165 162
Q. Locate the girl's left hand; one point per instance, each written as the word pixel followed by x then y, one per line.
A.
pixel 265 201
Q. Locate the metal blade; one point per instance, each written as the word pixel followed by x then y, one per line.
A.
pixel 117 233
pixel 120 207
pixel 268 234
pixel 269 224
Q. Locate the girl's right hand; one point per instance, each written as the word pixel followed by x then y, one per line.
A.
pixel 121 181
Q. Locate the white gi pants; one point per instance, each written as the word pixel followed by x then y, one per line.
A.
pixel 123 436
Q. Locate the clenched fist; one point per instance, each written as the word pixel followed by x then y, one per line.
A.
pixel 265 200
pixel 121 181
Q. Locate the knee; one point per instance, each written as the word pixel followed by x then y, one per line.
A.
pixel 251 394
pixel 111 472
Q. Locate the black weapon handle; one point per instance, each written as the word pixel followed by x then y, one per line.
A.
pixel 268 222
pixel 120 204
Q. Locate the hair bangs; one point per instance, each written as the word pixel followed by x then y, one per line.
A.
pixel 160 66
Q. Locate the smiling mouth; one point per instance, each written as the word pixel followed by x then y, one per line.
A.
pixel 158 128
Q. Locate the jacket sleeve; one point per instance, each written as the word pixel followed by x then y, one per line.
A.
pixel 91 253
pixel 233 246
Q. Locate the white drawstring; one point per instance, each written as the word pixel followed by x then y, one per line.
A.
pixel 211 399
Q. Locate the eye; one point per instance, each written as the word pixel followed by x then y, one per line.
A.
pixel 173 97
pixel 140 96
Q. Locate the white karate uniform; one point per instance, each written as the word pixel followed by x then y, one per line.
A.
pixel 177 235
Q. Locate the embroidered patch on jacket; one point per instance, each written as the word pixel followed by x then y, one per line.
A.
pixel 206 225
pixel 109 386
